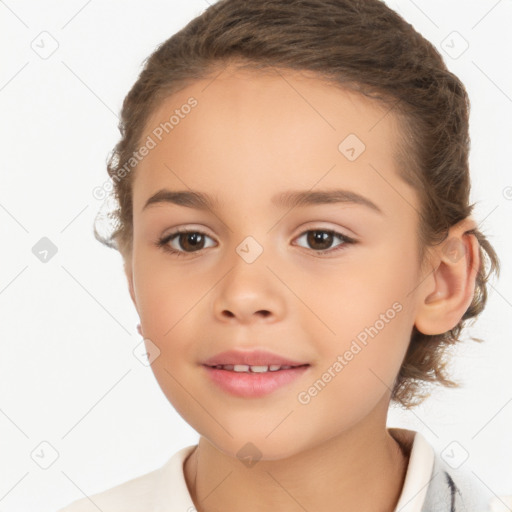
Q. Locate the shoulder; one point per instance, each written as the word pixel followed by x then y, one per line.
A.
pixel 439 482
pixel 145 492
pixel 455 490
pixel 131 495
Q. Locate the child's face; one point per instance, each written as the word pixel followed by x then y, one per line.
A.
pixel 250 138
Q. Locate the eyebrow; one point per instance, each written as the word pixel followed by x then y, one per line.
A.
pixel 296 199
pixel 288 199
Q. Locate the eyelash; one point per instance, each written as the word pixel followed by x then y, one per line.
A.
pixel 163 242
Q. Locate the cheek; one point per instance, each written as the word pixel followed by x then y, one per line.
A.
pixel 377 352
pixel 371 357
pixel 355 295
pixel 170 301
pixel 354 377
pixel 164 292
pixel 370 315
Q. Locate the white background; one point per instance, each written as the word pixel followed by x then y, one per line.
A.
pixel 68 327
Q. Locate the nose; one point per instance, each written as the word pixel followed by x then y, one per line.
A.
pixel 249 293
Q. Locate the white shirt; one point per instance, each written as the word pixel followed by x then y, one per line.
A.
pixel 165 489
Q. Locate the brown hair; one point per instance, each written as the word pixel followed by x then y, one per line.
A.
pixel 360 45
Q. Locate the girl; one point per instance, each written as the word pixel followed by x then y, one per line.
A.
pixel 293 215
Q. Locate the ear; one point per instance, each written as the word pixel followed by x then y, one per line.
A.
pixel 450 287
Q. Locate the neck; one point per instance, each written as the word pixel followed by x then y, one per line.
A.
pixel 358 470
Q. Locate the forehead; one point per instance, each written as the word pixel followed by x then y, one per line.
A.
pixel 253 134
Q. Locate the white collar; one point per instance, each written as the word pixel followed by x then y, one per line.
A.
pixel 172 492
pixel 418 475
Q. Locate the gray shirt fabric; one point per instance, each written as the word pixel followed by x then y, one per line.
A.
pixel 455 491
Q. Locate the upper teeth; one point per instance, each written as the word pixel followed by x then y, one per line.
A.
pixel 255 369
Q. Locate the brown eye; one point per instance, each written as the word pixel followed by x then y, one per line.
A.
pixel 183 242
pixel 321 240
pixel 190 241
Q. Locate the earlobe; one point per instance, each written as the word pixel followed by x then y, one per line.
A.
pixel 451 285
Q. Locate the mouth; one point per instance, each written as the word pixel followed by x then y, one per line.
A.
pixel 251 381
pixel 255 361
pixel 253 373
pixel 246 368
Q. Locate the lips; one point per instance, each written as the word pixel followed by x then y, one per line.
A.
pixel 251 358
pixel 253 369
pixel 253 385
pixel 253 373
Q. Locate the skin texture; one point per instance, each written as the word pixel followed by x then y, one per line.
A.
pixel 251 136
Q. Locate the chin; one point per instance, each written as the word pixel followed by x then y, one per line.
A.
pixel 253 449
